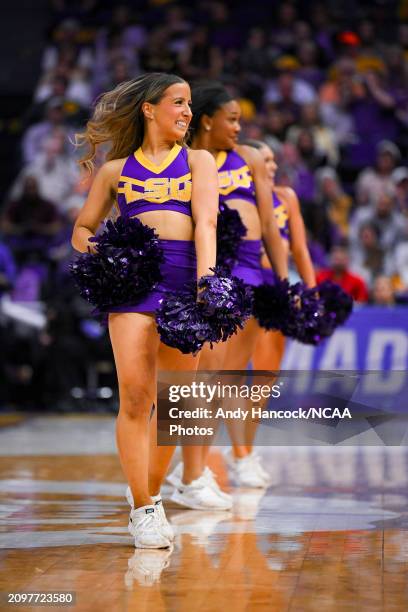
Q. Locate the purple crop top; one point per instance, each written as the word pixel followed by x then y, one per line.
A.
pixel 235 179
pixel 281 216
pixel 145 186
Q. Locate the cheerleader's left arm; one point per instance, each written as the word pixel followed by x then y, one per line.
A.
pixel 204 206
pixel 298 241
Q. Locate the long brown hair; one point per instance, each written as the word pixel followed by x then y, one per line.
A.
pixel 118 117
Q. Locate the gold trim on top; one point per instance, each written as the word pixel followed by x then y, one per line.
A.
pixel 220 159
pixel 157 169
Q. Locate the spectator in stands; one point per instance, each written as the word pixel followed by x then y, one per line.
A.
pixel 288 93
pixel 67 48
pixel 323 28
pixel 117 47
pixel 200 59
pixel 301 177
pixel 309 71
pixel 275 129
pixel 178 27
pixel 311 155
pixel 48 88
pixel 334 97
pixel 339 272
pixel 373 113
pixel 308 159
pixel 383 292
pixel 283 34
pixel 372 181
pixel 331 198
pixel 254 57
pixel 323 136
pixel 383 213
pixel 33 140
pixel 116 72
pixel 370 46
pixel 225 32
pixel 156 55
pixel 30 222
pixel 56 173
pixel 76 90
pixel 368 257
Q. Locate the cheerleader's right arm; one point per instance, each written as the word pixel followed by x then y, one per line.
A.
pixel 97 205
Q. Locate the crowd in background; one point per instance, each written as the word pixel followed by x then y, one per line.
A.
pixel 324 84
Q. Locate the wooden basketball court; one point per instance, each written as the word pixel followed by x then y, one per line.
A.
pixel 330 534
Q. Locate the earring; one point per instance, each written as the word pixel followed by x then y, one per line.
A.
pixel 207 128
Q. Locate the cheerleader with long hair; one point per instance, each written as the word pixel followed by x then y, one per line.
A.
pixel 243 187
pixel 270 345
pixel 151 176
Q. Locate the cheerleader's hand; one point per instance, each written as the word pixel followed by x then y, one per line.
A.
pixel 203 284
pixel 92 243
pixel 297 302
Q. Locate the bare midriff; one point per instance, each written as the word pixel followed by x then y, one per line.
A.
pixel 169 224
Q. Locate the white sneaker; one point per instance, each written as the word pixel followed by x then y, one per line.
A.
pixel 146 566
pixel 198 495
pixel 259 467
pixel 145 527
pixel 245 471
pixel 212 482
pixel 175 478
pixel 166 528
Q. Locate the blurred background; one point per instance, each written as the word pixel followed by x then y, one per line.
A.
pixel 325 84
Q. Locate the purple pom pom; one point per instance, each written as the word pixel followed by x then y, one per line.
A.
pixel 226 302
pixel 230 231
pixel 186 324
pixel 338 305
pixel 124 268
pixel 305 324
pixel 334 307
pixel 180 322
pixel 307 315
pixel 276 305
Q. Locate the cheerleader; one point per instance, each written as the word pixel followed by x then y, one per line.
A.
pixel 150 175
pixel 270 345
pixel 244 187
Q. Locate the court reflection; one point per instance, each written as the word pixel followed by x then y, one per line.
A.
pixel 330 534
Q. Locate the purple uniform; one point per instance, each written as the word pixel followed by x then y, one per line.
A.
pixel 281 216
pixel 145 186
pixel 236 183
pixel 234 178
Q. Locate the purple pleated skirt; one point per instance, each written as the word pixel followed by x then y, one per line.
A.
pixel 179 267
pixel 248 266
